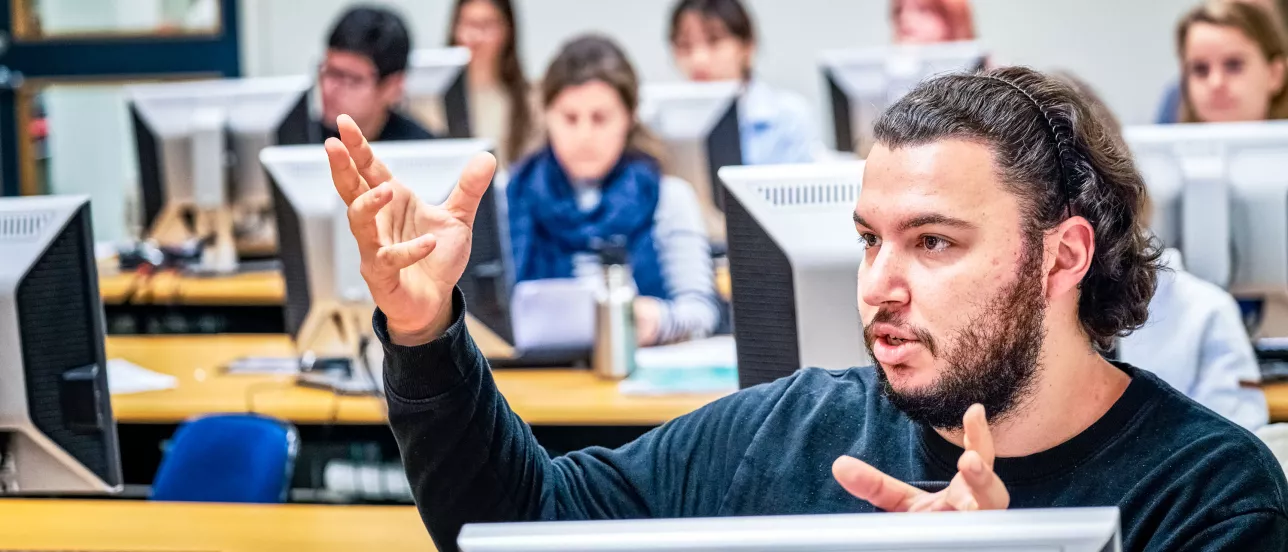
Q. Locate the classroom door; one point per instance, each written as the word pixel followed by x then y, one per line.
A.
pixel 64 126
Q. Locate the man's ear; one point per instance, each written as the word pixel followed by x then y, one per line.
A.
pixel 1070 248
pixel 392 88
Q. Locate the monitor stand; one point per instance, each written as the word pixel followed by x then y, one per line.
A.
pixel 333 329
pixel 181 222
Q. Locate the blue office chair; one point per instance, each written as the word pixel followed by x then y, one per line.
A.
pixel 228 458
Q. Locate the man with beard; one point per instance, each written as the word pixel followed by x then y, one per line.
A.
pixel 1004 251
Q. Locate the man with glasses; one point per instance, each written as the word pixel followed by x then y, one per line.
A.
pixel 363 75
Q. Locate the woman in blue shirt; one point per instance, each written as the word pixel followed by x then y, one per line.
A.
pixel 599 180
pixel 715 40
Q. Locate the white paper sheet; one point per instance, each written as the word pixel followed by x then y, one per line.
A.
pixel 553 315
pixel 125 377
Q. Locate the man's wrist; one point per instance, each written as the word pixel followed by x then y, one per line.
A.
pixel 415 337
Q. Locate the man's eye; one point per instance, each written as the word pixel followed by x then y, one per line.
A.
pixel 934 243
pixel 869 240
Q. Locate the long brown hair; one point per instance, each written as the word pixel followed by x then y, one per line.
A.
pixel 1255 23
pixel 512 79
pixel 590 58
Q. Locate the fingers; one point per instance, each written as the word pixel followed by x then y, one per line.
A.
pixel 475 178
pixel 371 168
pixel 981 489
pixel 344 174
pixel 392 258
pixel 362 218
pixel 978 437
pixel 870 484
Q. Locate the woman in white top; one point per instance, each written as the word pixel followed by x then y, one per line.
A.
pixel 500 98
pixel 715 40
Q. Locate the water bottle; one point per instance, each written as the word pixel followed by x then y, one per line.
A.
pixel 613 356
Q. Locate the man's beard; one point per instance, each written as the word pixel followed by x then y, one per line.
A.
pixel 992 360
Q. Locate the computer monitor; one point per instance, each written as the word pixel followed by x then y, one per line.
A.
pixel 198 143
pixel 328 305
pixel 1220 195
pixel 1056 530
pixel 698 124
pixel 793 261
pixel 863 83
pixel 436 90
pixel 57 433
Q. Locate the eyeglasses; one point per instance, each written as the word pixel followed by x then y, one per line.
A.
pixel 345 79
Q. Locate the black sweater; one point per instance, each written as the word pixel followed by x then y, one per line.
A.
pixel 397 127
pixel 1184 478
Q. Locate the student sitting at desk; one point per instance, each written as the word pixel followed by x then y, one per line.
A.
pixel 363 75
pixel 1000 261
pixel 501 102
pixel 1232 55
pixel 715 40
pixel 598 178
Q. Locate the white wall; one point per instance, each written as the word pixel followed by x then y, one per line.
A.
pixel 1122 47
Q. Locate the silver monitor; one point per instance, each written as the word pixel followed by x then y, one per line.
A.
pixel 57 433
pixel 863 83
pixel 436 90
pixel 1220 194
pixel 698 124
pixel 327 300
pixel 197 144
pixel 1053 530
pixel 793 262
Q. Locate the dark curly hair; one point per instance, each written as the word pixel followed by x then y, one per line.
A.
pixel 1058 156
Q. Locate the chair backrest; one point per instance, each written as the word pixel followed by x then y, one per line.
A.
pixel 228 458
pixel 1276 437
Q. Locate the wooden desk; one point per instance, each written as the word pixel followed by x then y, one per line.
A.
pixel 251 288
pixel 246 289
pixel 540 397
pixel 1277 400
pixel 106 525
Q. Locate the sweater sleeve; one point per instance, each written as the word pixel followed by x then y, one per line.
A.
pixel 1262 530
pixel 470 459
pixel 685 254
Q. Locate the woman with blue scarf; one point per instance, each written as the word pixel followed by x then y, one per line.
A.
pixel 597 181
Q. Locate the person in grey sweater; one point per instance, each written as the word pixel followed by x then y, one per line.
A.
pixel 598 181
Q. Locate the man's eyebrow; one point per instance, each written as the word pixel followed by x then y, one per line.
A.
pixel 929 219
pixel 935 219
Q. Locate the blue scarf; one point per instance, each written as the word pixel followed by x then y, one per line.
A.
pixel 547 227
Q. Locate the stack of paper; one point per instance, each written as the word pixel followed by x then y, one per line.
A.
pixel 125 377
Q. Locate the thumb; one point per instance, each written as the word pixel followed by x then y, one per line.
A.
pixel 464 201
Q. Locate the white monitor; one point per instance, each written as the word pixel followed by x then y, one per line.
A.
pixel 862 83
pixel 1053 530
pixel 698 124
pixel 181 126
pixel 1220 194
pixel 320 260
pixel 57 433
pixel 436 90
pixel 793 262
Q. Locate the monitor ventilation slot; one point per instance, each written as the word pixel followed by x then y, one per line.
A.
pixel 23 226
pixel 798 195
